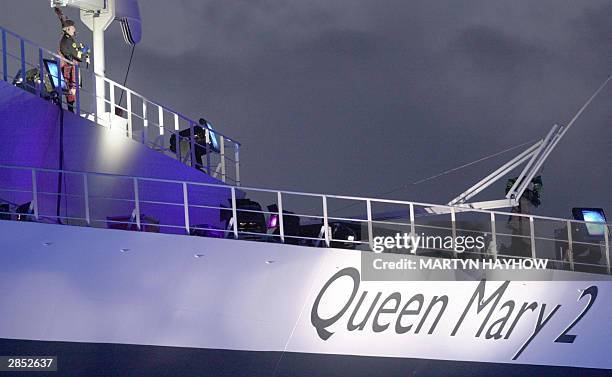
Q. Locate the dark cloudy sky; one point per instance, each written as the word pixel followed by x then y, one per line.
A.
pixel 361 97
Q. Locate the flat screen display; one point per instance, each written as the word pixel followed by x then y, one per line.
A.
pixel 596 216
pixel 55 74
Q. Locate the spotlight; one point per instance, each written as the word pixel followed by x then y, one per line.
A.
pixel 585 237
pixel 291 225
pixel 594 215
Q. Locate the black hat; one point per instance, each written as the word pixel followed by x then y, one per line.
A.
pixel 68 23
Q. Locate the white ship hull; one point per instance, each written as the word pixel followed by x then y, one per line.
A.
pixel 276 305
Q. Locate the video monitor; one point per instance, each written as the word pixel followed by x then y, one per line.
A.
pixel 214 143
pixel 55 73
pixel 593 216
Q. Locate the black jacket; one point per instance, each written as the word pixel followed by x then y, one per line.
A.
pixel 70 48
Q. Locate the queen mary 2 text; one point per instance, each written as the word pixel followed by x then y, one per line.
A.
pixel 361 310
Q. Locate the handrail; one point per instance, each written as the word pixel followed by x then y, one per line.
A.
pixel 310 194
pixel 227 167
pixel 139 199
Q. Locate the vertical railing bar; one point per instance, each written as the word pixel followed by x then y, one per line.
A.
pixel 34 194
pixel 412 227
pixel 4 57
pixel 23 62
pixel 494 235
pixel 145 121
pixel 370 227
pixel 60 77
pixel 325 221
pixel 570 246
pixel 41 73
pixel 129 113
pixel 177 144
pixel 86 198
pixel 186 206
pixel 607 239
pixel 207 134
pixel 453 229
pixel 234 213
pixel 222 150
pixel 192 145
pixel 237 162
pixel 111 114
pixel 532 236
pixel 281 226
pixel 94 97
pixel 77 74
pixel 136 203
pixel 177 138
pixel 160 116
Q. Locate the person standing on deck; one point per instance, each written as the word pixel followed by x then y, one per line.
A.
pixel 74 52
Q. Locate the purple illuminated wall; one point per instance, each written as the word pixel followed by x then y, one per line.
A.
pixel 29 130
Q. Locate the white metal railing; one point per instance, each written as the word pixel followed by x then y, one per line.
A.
pixel 123 109
pixel 542 237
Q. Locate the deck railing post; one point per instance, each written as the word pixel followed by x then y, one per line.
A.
pixel 177 145
pixel 112 104
pixel 77 74
pixel 370 227
pixel 570 246
pixel 34 195
pixel 281 226
pixel 234 213
pixel 412 227
pixel 207 140
pixel 60 77
pixel 237 162
pixel 454 229
pixel 129 113
pixel 607 240
pixel 4 57
pixel 222 150
pixel 532 237
pixel 192 145
pixel 186 207
pixel 94 102
pixel 136 203
pixel 145 122
pixel 23 62
pixel 494 235
pixel 41 73
pixel 160 115
pixel 325 222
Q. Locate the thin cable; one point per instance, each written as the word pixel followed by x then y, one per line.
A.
pixel 462 166
pixel 127 72
pixel 445 172
pixel 586 104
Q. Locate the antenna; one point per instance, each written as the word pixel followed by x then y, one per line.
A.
pixel 536 154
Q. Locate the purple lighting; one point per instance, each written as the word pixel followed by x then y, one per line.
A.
pixel 273 222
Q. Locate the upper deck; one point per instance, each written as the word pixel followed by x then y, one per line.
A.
pixel 124 110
